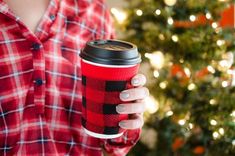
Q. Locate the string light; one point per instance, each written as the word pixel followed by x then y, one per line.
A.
pixel 169 113
pixel 214 25
pixel 192 18
pixel 152 104
pixel 158 12
pixel 228 60
pixel 187 72
pixel 211 69
pixel 221 131
pixel 191 86
pixel 163 85
pixel 191 126
pixel 223 63
pixel 229 71
pixel 215 135
pixel 220 42
pixel 161 37
pixel 225 84
pixel 181 122
pixel 120 15
pixel 170 20
pixel 233 142
pixel 181 60
pixel 139 12
pixel 232 114
pixel 213 101
pixel 233 78
pixel 208 15
pixel 170 2
pixel 174 38
pixel 156 59
pixel 213 122
pixel 156 74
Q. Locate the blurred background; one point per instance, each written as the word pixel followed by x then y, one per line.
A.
pixel 188 49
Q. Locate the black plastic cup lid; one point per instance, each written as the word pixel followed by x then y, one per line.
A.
pixel 111 52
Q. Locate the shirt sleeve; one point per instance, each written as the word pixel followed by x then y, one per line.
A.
pixel 104 21
pixel 122 145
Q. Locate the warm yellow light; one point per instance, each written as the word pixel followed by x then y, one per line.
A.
pixel 215 135
pixel 156 73
pixel 233 114
pixel 224 63
pixel 174 38
pixel 220 42
pixel 187 72
pixel 181 122
pixel 152 104
pixel 170 2
pixel 158 12
pixel 192 18
pixel 208 15
pixel 139 12
pixel 228 60
pixel 170 20
pixel 229 71
pixel 191 86
pixel 233 142
pixel 163 85
pixel 213 101
pixel 221 131
pixel 225 84
pixel 156 59
pixel 181 60
pixel 119 15
pixel 169 113
pixel 191 125
pixel 213 122
pixel 214 25
pixel 161 37
pixel 211 69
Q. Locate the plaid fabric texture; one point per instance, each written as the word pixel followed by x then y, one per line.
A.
pixel 99 100
pixel 41 84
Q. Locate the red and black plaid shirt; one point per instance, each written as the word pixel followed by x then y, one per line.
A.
pixel 40 82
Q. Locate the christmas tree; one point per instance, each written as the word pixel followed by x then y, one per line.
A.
pixel 188 60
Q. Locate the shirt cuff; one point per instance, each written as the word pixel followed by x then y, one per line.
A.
pixel 121 146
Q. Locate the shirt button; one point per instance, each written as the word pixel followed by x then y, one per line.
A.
pixel 52 17
pixel 38 82
pixel 36 46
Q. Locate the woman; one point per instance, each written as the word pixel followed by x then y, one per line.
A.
pixel 40 89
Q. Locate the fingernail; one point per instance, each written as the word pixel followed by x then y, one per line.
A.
pixel 120 108
pixel 135 81
pixel 124 95
pixel 147 92
pixel 122 124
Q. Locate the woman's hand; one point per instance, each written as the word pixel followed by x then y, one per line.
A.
pixel 136 108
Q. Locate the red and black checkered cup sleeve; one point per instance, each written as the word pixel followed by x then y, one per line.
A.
pixel 101 87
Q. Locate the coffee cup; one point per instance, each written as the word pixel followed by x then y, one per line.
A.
pixel 107 67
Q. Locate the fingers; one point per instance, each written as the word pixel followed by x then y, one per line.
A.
pixel 135 122
pixel 138 80
pixel 131 108
pixel 134 94
pixel 136 109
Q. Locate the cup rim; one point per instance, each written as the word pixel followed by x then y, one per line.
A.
pixel 108 66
